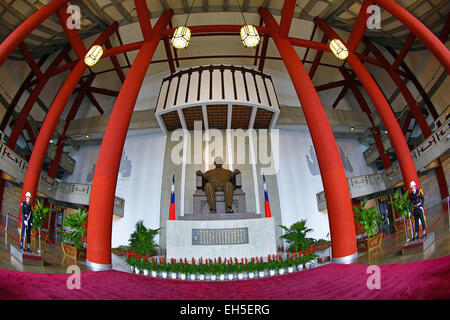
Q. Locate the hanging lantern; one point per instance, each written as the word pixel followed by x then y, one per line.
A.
pixel 338 48
pixel 181 37
pixel 249 36
pixel 93 55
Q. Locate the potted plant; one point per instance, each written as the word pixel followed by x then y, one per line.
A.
pixel 200 269
pixel 130 261
pixel 174 267
pixel 290 262
pixel 142 239
pixel 280 264
pixel 73 236
pixel 145 265
pixel 295 236
pixel 260 266
pixel 39 216
pixel 239 268
pixel 272 264
pixel 251 268
pixel 154 267
pixel 221 269
pixel 401 203
pixel 368 218
pixel 183 269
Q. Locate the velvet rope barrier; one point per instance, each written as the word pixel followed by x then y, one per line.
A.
pixel 8 233
pixel 434 224
pixel 46 238
pixel 395 235
pixel 442 213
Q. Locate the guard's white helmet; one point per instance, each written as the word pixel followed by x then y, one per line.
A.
pixel 412 184
pixel 28 194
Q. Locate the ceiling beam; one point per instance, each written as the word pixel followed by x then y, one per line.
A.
pixel 286 17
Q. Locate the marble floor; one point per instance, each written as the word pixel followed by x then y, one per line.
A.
pixel 388 253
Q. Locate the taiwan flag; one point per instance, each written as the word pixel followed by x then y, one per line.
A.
pixel 266 199
pixel 172 200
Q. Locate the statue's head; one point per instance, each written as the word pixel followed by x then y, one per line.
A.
pixel 218 162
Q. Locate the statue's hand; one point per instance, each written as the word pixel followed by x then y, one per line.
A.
pixel 198 173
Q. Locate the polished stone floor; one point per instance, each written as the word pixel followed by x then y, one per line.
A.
pixel 388 253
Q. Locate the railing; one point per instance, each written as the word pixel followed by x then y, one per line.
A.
pixel 432 148
pixel 15 168
pixel 67 163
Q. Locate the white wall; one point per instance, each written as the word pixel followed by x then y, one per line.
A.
pixel 139 185
pixel 299 183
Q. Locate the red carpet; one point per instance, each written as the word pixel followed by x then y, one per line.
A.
pixel 428 279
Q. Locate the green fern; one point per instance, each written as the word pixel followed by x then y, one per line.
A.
pixel 296 236
pixel 39 215
pixel 368 218
pixel 142 240
pixel 76 231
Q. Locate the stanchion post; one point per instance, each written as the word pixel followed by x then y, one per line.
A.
pixel 6 227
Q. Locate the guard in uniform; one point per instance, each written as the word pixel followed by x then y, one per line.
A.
pixel 416 200
pixel 27 221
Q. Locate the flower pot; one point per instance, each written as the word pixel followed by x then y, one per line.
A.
pixel 230 276
pixel 173 275
pixel 367 244
pixel 145 272
pixel 182 276
pixel 300 267
pixel 271 272
pixel 131 269
pixel 240 275
pixel 201 276
pixel 281 271
pixel 154 273
pixel 136 270
pixel 213 277
pixel 164 274
pixel 291 269
pixel 251 275
pixel 192 276
pixel 76 253
pixel 261 274
pixel 222 277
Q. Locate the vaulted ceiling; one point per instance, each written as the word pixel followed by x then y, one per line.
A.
pixel 96 15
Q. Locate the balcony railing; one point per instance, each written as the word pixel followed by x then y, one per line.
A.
pixel 15 168
pixel 432 148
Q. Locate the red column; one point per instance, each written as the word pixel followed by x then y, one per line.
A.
pixel 23 115
pixel 53 169
pixel 33 173
pixel 21 32
pixel 332 171
pixel 398 142
pixel 105 178
pixel 22 118
pixel 432 42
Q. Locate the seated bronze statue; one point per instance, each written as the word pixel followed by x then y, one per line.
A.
pixel 219 179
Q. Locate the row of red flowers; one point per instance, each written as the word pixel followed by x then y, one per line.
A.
pixel 219 265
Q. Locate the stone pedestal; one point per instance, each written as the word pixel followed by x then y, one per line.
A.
pixel 241 238
pixel 26 258
pixel 419 245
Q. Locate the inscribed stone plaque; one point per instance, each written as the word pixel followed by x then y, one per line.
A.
pixel 219 236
